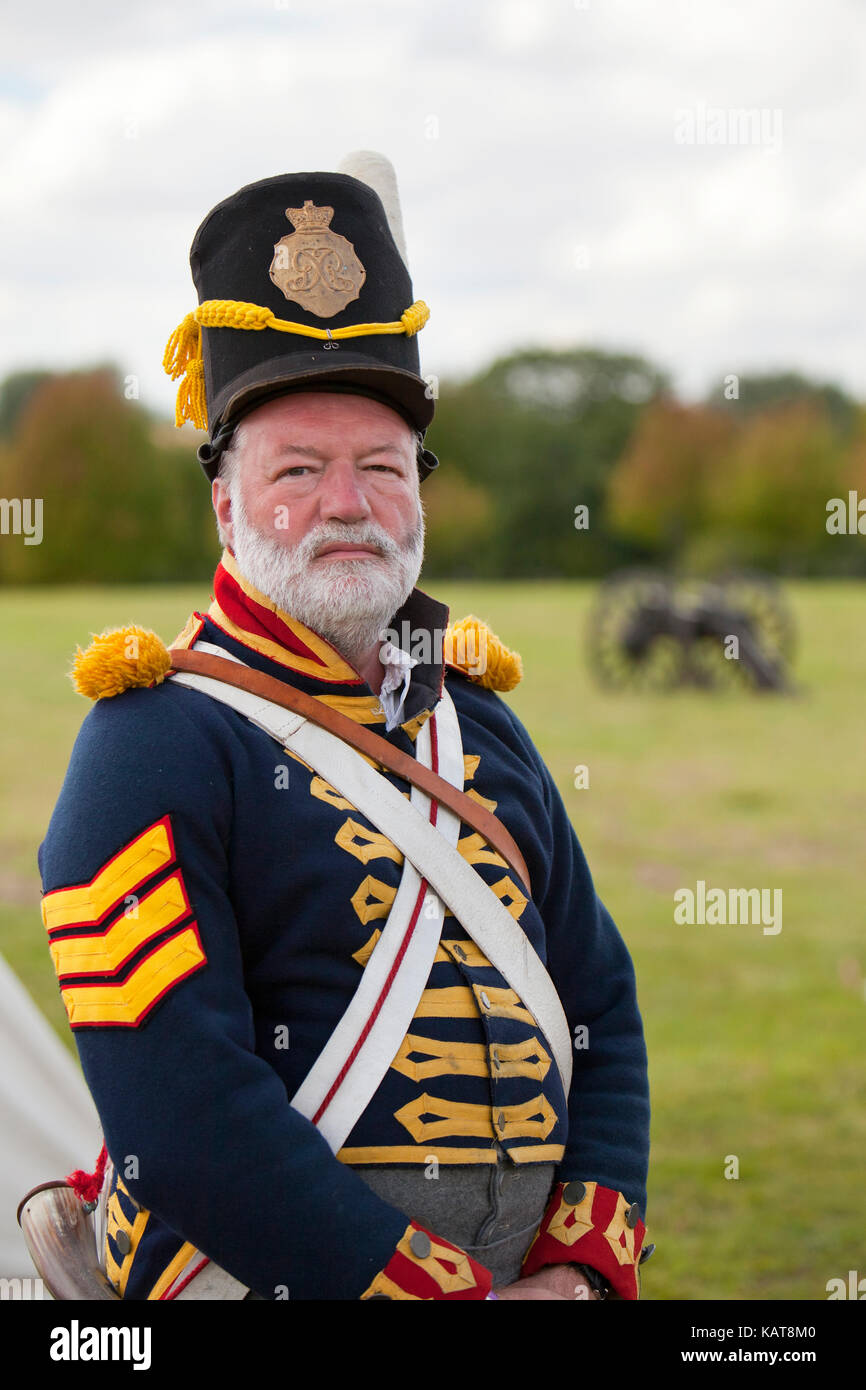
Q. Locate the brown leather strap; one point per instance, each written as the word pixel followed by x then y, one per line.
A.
pixel 362 738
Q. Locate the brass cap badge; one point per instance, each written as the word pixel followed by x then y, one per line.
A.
pixel 314 266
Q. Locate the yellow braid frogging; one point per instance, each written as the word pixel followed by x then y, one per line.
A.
pixel 182 356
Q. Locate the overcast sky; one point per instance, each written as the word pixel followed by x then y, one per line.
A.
pixel 570 173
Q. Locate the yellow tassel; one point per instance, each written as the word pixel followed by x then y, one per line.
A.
pixel 182 358
pixel 183 345
pixel 473 648
pixel 119 659
pixel 191 403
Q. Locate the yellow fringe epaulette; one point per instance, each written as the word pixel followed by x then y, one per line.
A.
pixel 126 657
pixel 474 649
pixel 118 660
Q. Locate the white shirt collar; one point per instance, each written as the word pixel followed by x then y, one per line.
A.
pixel 398 673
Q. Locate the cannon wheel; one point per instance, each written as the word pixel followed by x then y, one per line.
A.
pixel 625 650
pixel 762 599
pixel 758 598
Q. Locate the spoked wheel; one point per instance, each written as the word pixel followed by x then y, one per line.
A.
pixel 711 668
pixel 633 640
pixel 712 656
pixel 765 613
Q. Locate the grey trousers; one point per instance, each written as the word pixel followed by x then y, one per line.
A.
pixel 491 1211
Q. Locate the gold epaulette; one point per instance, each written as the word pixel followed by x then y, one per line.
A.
pixel 473 648
pixel 119 659
pixel 125 657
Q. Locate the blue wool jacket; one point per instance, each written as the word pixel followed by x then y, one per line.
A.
pixel 211 904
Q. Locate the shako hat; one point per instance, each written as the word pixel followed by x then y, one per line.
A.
pixel 303 285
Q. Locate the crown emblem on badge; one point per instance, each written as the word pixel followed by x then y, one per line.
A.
pixel 309 218
pixel 315 266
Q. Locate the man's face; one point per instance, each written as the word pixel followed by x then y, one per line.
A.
pixel 323 512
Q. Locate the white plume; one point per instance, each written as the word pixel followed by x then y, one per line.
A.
pixel 378 173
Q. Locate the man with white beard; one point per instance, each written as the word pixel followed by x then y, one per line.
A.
pixel 334 566
pixel 355 1021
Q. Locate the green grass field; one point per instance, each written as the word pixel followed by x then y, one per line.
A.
pixel 756 1041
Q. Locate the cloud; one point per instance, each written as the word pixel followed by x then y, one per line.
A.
pixel 546 197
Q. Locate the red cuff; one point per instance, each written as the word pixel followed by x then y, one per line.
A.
pixel 425 1266
pixel 592 1225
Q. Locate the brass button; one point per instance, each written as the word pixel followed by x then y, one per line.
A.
pixel 459 951
pixel 501 1122
pixel 495 1059
pixel 573 1193
pixel 420 1244
pixel 485 1001
pixel 632 1216
pixel 123 1243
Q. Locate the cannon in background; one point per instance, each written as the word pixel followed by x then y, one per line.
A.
pixel 651 631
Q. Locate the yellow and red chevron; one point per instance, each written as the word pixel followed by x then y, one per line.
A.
pixel 93 966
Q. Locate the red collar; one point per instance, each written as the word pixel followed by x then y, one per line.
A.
pixel 252 619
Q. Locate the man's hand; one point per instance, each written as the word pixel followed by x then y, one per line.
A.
pixel 553 1282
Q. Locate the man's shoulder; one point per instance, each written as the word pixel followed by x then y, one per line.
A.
pixel 480 703
pixel 142 728
pixel 144 754
pixel 125 673
pixel 166 721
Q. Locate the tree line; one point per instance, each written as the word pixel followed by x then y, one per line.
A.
pixel 554 464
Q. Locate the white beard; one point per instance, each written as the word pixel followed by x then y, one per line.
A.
pixel 348 602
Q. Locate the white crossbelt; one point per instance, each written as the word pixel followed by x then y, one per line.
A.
pixel 347 1073
pixel 379 1015
pixel 474 904
pixel 405 950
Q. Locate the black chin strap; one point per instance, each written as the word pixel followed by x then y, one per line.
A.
pixel 427 462
pixel 209 455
